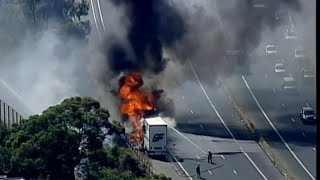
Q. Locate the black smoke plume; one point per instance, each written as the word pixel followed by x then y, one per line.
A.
pixel 153 24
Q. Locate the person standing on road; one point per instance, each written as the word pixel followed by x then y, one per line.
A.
pixel 198 170
pixel 209 156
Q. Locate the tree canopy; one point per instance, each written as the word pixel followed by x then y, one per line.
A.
pixel 65 136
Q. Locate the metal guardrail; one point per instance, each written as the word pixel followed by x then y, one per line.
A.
pixel 8 115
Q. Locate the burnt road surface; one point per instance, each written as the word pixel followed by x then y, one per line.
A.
pixel 274 113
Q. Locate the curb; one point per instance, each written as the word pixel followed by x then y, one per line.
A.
pixel 261 141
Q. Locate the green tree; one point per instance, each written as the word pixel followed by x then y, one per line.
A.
pixel 47 145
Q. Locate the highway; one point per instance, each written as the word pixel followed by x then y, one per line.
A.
pixel 202 127
pixel 275 114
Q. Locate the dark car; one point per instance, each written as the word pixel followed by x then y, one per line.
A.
pixel 308 115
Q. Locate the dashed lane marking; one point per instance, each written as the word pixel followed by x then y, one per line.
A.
pixel 182 97
pixel 191 111
pixel 314 149
pixel 266 75
pixel 201 126
pixel 283 105
pixel 292 120
pixel 274 90
pixel 235 172
pixel 198 157
pixel 210 172
pixel 223 157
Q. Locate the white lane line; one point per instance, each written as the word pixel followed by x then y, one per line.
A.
pixel 95 20
pixel 209 172
pixel 198 156
pixel 186 138
pixel 266 75
pixel 314 149
pixel 222 121
pixel 223 157
pixel 292 120
pixel 291 19
pixel 284 142
pixel 184 170
pixel 235 172
pixel 307 104
pixel 191 111
pixel 182 97
pixel 101 17
pixel 201 126
pixel 283 105
pixel 274 90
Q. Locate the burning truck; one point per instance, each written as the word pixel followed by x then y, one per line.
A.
pixel 150 131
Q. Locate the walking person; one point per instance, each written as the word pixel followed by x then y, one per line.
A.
pixel 209 156
pixel 198 170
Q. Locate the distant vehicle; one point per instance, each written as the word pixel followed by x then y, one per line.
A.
pixel 280 69
pixel 299 53
pixel 290 34
pixel 155 136
pixel 289 84
pixel 308 75
pixel 258 4
pixel 281 15
pixel 308 115
pixel 271 49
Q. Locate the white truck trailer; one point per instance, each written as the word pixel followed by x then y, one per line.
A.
pixel 155 136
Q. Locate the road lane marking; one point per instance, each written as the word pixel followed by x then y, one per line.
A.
pixel 314 149
pixel 101 17
pixel 303 134
pixel 201 126
pixel 176 160
pixel 223 157
pixel 307 104
pixel 291 19
pixel 266 75
pixel 191 111
pixel 209 172
pixel 198 156
pixel 274 90
pixel 283 105
pixel 222 121
pixel 292 120
pixel 95 20
pixel 271 124
pixel 235 172
pixel 182 97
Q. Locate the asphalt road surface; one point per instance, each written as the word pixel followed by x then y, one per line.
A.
pixel 237 156
pixel 296 149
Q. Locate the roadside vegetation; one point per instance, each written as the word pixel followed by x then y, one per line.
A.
pixel 68 136
pixel 21 18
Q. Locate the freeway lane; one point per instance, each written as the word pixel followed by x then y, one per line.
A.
pixel 194 115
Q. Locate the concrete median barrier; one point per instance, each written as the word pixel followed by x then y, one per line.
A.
pixel 262 141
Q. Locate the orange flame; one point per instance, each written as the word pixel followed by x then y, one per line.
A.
pixel 135 102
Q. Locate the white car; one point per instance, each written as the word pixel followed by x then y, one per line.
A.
pixel 290 34
pixel 258 4
pixel 279 68
pixel 299 53
pixel 271 49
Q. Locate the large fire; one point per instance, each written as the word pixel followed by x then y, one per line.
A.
pixel 135 102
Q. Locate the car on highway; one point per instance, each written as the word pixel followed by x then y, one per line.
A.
pixel 289 85
pixel 290 34
pixel 299 53
pixel 307 115
pixel 308 75
pixel 280 69
pixel 271 49
pixel 258 4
